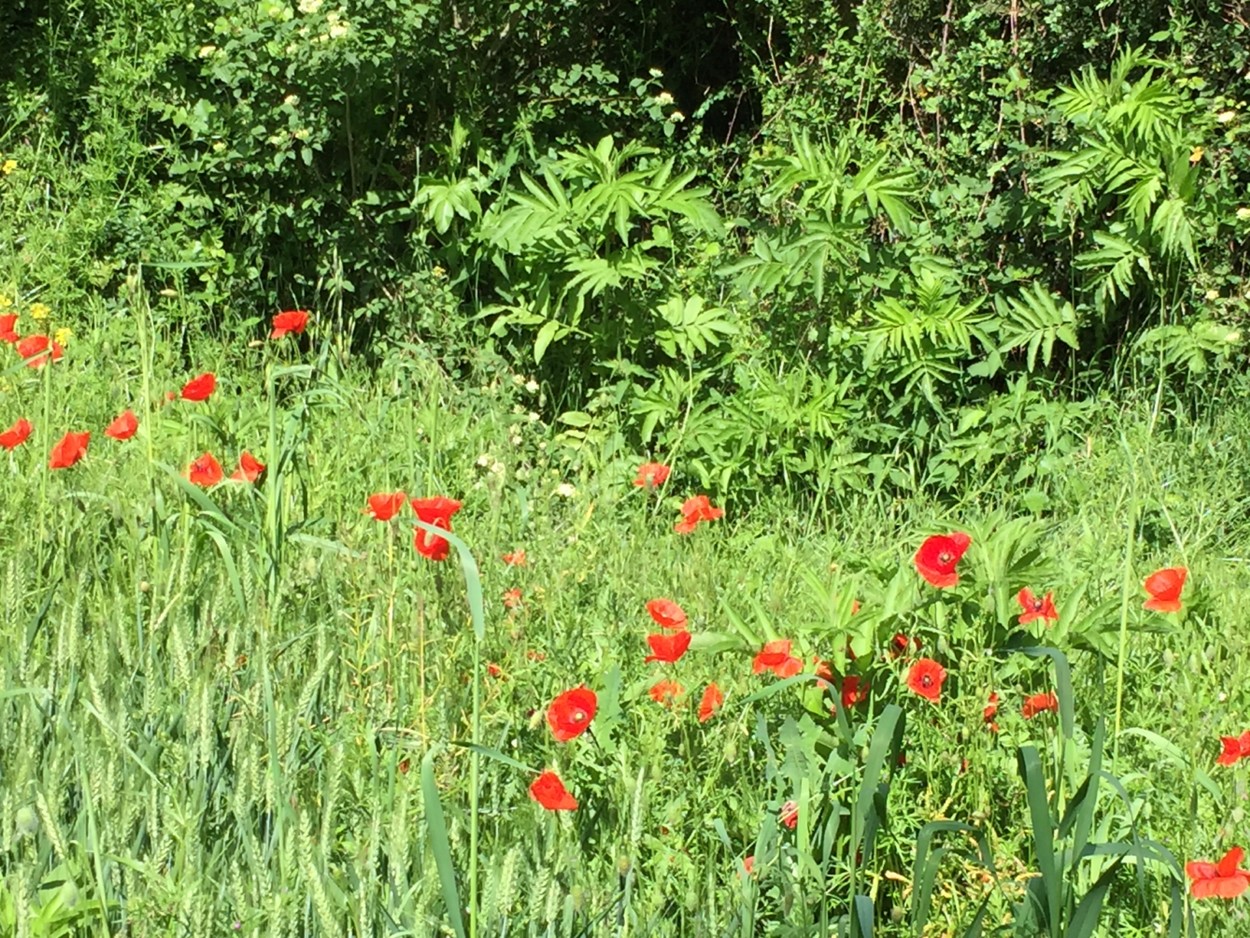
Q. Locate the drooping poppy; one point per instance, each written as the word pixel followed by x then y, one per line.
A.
pixel 205 471
pixel 385 505
pixel 291 320
pixel 667 648
pixel 436 511
pixel 68 450
pixel 1234 748
pixel 990 711
pixel 34 348
pixel 667 614
pixel 925 678
pixel 571 712
pixel 16 435
pixel 250 468
pixel 937 557
pixel 8 328
pixel 123 427
pixel 1035 607
pixel 1222 880
pixel 651 475
pixel 550 792
pixel 666 692
pixel 695 510
pixel 789 814
pixel 775 656
pixel 1039 703
pixel 1164 587
pixel 516 558
pixel 200 387
pixel 854 691
pixel 711 701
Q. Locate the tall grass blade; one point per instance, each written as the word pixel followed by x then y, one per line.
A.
pixel 439 843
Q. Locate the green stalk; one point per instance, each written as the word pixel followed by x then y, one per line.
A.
pixel 1125 591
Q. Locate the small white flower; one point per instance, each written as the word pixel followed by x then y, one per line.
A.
pixel 532 386
pixel 663 99
pixel 309 7
pixel 1226 117
pixel 516 439
pixel 1243 213
pixel 565 490
pixel 484 460
pixel 1213 295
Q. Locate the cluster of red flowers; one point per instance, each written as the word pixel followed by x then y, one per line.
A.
pixel 436 511
pixel 37 350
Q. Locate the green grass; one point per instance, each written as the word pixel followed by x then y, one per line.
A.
pixel 237 705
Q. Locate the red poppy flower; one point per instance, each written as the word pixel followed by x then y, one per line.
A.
pixel 937 557
pixel 16 435
pixel 34 348
pixel 824 674
pixel 1036 607
pixel 292 320
pixel 385 505
pixel 711 701
pixel 250 468
pixel 123 427
pixel 925 678
pixel 748 865
pixel 1039 703
pixel 854 691
pixel 901 644
pixel 571 712
pixel 436 511
pixel 1223 880
pixel 550 792
pixel 493 669
pixel 512 598
pixel 775 656
pixel 652 475
pixel 990 711
pixel 199 388
pixel 1164 587
pixel 666 692
pixel 789 814
pixel 694 510
pixel 516 558
pixel 68 450
pixel 8 327
pixel 667 614
pixel 205 471
pixel 667 648
pixel 1234 748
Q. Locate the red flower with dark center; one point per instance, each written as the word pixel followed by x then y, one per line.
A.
pixel 205 471
pixel 8 327
pixel 775 656
pixel 515 559
pixel 199 388
pixel 1039 703
pixel 123 427
pixel 666 692
pixel 1035 607
pixel 68 450
pixel 292 320
pixel 667 614
pixel 990 711
pixel 250 468
pixel 652 475
pixel 667 648
pixel 925 678
pixel 436 511
pixel 16 435
pixel 1223 880
pixel 937 557
pixel 695 510
pixel 789 814
pixel 34 349
pixel 854 691
pixel 1164 587
pixel 385 505
pixel 711 702
pixel 1234 748
pixel 571 712
pixel 550 792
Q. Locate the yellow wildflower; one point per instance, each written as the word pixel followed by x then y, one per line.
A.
pixel 6 301
pixel 63 335
pixel 1195 155
pixel 39 311
pixel 8 166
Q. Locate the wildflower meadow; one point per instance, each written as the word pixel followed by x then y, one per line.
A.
pixel 559 500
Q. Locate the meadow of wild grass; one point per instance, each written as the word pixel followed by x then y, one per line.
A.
pixel 276 703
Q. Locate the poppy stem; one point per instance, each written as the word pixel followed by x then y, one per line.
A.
pixel 1125 592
